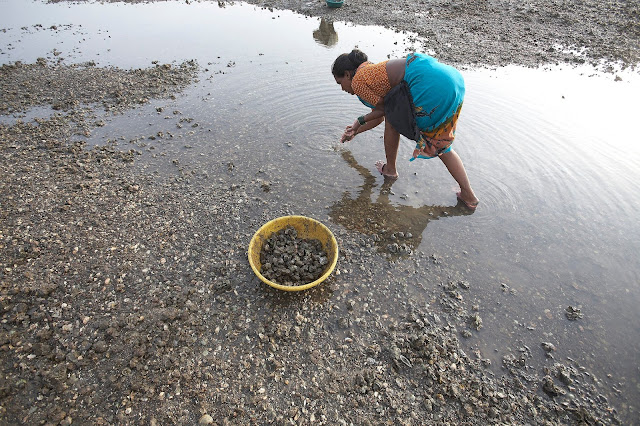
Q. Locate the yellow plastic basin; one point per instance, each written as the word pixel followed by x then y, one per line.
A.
pixel 306 228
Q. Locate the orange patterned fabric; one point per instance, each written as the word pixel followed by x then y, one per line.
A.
pixel 442 136
pixel 371 82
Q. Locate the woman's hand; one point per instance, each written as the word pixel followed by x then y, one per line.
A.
pixel 350 132
pixel 346 136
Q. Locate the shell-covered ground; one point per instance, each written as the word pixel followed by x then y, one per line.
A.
pixel 128 299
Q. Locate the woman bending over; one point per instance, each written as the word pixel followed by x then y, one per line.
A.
pixel 419 98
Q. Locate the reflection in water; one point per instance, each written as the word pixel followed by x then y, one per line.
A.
pixel 326 34
pixel 395 229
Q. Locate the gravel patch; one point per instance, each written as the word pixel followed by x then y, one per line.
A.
pixel 67 87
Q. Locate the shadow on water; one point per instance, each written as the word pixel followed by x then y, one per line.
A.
pixel 395 229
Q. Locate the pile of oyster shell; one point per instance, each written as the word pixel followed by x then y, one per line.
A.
pixel 289 260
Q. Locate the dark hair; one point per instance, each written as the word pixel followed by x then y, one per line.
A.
pixel 348 62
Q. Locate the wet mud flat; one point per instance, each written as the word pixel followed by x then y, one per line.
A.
pixel 127 298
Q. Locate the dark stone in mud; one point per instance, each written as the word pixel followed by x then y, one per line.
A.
pixel 100 346
pixel 548 347
pixel 550 387
pixel 573 313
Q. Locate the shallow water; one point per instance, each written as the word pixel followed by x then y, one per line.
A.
pixel 552 153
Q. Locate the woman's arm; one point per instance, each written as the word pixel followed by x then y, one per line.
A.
pixel 375 114
pixel 370 124
pixel 375 117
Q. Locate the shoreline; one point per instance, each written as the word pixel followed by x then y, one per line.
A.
pixel 494 33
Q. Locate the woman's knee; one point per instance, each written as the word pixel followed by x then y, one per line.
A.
pixel 388 127
pixel 449 157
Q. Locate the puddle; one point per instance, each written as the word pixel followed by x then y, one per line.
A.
pixel 552 154
pixel 30 116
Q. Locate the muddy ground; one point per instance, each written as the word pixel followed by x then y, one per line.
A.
pixel 127 298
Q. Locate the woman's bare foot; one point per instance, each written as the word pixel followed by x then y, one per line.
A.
pixel 380 166
pixel 468 198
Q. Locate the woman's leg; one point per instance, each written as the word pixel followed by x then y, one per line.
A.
pixel 391 144
pixel 454 164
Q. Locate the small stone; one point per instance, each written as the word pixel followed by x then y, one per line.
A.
pixel 206 420
pixel 550 388
pixel 100 346
pixel 548 347
pixel 573 313
pixel 475 321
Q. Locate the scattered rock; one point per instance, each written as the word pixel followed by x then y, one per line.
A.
pixel 573 313
pixel 548 347
pixel 550 387
pixel 475 321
